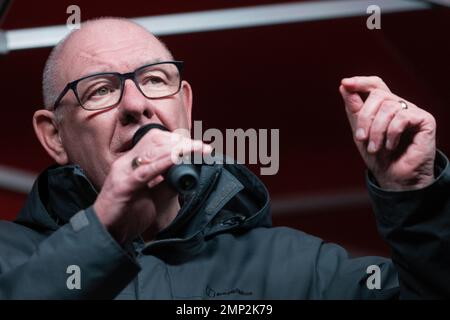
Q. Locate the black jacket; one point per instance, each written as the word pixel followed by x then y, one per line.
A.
pixel 220 246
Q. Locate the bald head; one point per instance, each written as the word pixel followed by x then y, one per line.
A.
pixel 87 43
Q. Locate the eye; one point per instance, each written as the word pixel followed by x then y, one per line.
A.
pixel 154 80
pixel 102 91
pixel 98 93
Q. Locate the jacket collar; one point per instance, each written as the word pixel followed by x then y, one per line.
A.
pixel 228 197
pixel 57 194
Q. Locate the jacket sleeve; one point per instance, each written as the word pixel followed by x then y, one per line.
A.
pixel 103 266
pixel 302 266
pixel 416 224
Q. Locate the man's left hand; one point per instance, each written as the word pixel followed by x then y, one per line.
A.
pixel 396 139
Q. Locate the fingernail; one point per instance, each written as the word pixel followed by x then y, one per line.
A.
pixel 371 148
pixel 388 144
pixel 348 80
pixel 155 182
pixel 360 134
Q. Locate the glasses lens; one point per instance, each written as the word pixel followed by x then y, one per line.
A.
pixel 159 80
pixel 99 91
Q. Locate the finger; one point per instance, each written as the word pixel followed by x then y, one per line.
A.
pixel 364 84
pixel 353 103
pixel 156 181
pixel 163 143
pixel 367 114
pixel 183 150
pixel 151 168
pixel 195 145
pixel 157 138
pixel 148 171
pixel 402 120
pixel 380 124
pixel 201 147
pixel 207 149
pixel 198 145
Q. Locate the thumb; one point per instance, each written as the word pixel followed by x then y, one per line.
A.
pixel 353 103
pixel 352 99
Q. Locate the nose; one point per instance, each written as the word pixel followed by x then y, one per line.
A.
pixel 134 107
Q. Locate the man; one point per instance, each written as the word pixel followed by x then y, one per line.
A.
pixel 106 210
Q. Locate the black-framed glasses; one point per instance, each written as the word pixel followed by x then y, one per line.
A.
pixel 104 90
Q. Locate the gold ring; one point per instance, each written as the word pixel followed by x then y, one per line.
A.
pixel 403 104
pixel 136 162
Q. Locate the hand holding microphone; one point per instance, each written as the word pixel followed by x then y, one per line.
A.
pixel 131 199
pixel 183 178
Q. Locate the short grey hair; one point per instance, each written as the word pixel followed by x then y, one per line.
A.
pixel 52 66
pixel 50 73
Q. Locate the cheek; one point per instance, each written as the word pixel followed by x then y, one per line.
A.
pixel 87 143
pixel 172 114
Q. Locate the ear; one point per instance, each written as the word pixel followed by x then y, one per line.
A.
pixel 186 96
pixel 46 129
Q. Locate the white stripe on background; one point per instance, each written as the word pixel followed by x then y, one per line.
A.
pixel 16 180
pixel 223 19
pixel 445 3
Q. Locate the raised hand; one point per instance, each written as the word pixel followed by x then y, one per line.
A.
pixel 396 139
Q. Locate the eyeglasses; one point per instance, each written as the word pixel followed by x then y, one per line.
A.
pixel 104 90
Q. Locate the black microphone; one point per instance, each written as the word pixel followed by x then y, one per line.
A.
pixel 182 177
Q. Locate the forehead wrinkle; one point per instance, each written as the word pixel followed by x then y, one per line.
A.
pixel 94 63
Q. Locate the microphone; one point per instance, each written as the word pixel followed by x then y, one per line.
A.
pixel 181 177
